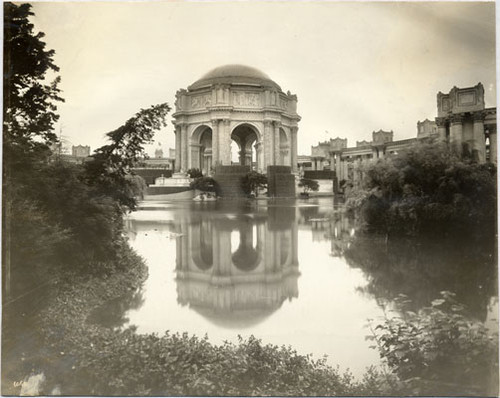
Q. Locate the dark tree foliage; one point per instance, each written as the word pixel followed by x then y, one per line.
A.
pixel 29 111
pixel 252 182
pixel 194 173
pixel 112 163
pixel 428 190
pixel 205 184
pixel 308 185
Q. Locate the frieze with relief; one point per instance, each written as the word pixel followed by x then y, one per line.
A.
pixel 201 101
pixel 246 99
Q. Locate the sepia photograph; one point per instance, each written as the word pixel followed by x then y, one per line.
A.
pixel 249 198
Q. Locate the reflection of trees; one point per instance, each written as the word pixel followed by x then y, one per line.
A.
pixel 422 269
pixel 112 313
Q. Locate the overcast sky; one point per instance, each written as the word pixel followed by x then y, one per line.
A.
pixel 355 67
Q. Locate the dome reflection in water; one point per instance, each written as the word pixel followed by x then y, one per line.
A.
pixel 237 269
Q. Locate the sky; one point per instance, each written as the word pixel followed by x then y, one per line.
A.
pixel 355 67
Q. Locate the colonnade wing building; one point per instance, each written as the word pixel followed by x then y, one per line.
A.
pixel 235 103
pixel 462 121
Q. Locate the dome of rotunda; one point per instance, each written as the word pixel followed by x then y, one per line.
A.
pixel 235 74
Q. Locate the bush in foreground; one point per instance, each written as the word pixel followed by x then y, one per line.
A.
pixel 438 350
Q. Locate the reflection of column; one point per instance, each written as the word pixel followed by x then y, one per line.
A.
pixel 276 143
pixel 479 139
pixel 441 125
pixel 293 149
pixel 295 244
pixel 215 142
pixel 178 150
pixel 456 134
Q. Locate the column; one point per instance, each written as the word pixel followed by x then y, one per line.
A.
pixel 268 145
pixel 225 143
pixel 479 145
pixel 456 134
pixel 293 149
pixel 215 142
pixel 178 148
pixel 242 157
pixel 338 171
pixel 258 156
pixel 248 158
pixel 493 144
pixel 184 145
pixel 277 143
pixel 441 125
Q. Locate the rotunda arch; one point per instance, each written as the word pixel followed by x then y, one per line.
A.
pixel 247 136
pixel 201 148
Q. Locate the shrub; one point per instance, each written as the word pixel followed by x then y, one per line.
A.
pixel 194 173
pixel 205 184
pixel 252 182
pixel 308 185
pixel 427 190
pixel 439 350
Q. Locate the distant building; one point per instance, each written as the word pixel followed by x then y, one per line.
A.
pixel 79 154
pixel 159 153
pixel 463 122
pixel 80 151
pixel 159 161
pixel 427 128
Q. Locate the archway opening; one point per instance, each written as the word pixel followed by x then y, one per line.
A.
pixel 284 145
pixel 243 151
pixel 205 151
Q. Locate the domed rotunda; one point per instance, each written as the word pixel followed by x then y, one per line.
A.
pixel 239 105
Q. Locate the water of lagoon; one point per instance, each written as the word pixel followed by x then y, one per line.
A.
pixel 289 272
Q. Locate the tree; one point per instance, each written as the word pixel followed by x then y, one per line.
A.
pixel 252 182
pixel 29 111
pixel 111 164
pixel 29 114
pixel 308 185
pixel 429 190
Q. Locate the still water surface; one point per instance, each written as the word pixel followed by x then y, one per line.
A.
pixel 288 272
